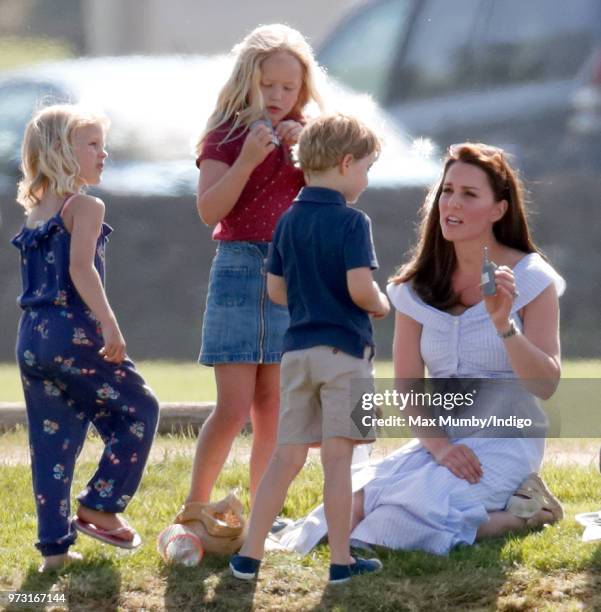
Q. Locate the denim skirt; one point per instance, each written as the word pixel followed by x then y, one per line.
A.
pixel 241 324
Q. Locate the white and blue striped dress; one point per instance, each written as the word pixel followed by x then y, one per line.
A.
pixel 411 502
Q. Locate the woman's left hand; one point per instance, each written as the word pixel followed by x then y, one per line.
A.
pixel 499 305
pixel 288 132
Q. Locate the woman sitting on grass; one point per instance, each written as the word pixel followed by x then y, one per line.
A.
pixel 435 493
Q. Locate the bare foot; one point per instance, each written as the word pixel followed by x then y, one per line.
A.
pixel 54 562
pixel 108 521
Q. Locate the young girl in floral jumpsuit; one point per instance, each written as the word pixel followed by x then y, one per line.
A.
pixel 70 350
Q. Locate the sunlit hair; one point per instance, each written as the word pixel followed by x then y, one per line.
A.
pixel 433 259
pixel 47 159
pixel 240 101
pixel 326 140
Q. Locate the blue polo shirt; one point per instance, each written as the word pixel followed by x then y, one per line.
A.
pixel 315 242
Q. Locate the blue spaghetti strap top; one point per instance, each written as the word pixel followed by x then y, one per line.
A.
pixel 45 263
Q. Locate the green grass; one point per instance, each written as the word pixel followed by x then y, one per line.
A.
pixel 21 51
pixel 549 570
pixel 171 381
pixel 185 381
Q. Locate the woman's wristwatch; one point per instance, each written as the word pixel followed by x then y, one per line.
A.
pixel 512 331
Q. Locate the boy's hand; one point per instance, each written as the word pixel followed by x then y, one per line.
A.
pixel 377 315
pixel 288 132
pixel 384 308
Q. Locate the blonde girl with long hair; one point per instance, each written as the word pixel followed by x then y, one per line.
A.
pixel 70 349
pixel 247 180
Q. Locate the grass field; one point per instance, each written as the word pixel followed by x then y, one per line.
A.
pixel 546 570
pixel 179 382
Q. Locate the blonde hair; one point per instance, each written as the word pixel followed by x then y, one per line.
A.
pixel 47 159
pixel 326 140
pixel 240 101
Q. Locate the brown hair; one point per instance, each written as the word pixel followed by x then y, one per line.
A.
pixel 433 258
pixel 326 140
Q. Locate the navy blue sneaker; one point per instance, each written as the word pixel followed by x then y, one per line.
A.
pixel 339 574
pixel 244 568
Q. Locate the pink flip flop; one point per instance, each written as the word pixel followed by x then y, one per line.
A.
pixel 108 536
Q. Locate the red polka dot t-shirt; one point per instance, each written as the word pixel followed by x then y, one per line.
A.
pixel 269 191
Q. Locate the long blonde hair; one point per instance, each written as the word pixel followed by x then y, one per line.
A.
pixel 240 101
pixel 47 158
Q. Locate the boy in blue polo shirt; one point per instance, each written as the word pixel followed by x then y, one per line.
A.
pixel 320 265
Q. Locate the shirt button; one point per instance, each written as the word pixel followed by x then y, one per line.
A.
pixel 456 323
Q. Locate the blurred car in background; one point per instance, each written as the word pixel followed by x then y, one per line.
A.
pixel 525 76
pixel 158 106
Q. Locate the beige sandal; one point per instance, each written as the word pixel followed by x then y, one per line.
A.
pixel 532 499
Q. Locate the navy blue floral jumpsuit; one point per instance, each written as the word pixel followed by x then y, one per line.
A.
pixel 67 385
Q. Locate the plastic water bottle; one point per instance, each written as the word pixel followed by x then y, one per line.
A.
pixel 179 544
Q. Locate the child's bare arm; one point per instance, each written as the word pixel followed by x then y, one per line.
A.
pixel 365 293
pixel 276 289
pixel 219 187
pixel 84 221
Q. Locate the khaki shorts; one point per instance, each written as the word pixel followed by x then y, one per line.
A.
pixel 317 400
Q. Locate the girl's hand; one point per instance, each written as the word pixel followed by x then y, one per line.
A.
pixel 114 343
pixel 288 132
pixel 461 460
pixel 499 305
pixel 257 146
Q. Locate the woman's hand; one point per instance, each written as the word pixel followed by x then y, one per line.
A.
pixel 114 343
pixel 257 146
pixel 499 305
pixel 461 460
pixel 288 132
